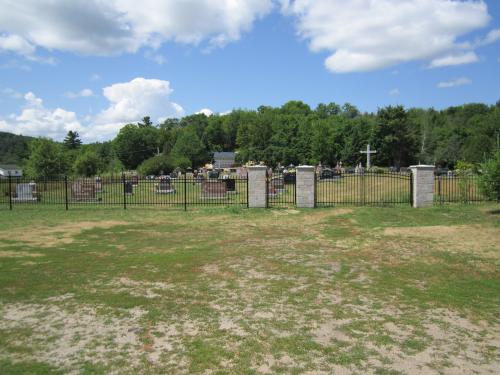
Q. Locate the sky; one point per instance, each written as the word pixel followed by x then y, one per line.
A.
pixel 95 65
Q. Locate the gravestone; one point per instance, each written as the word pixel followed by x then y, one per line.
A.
pixel 26 192
pixel 278 183
pixel 165 186
pixel 213 174
pixel 230 185
pixel 213 189
pixel 329 174
pixel 98 184
pixel 129 188
pixel 289 178
pixel 83 190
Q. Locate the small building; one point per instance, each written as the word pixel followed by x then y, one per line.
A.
pixel 224 159
pixel 12 170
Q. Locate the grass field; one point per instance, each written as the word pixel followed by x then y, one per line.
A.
pixel 236 291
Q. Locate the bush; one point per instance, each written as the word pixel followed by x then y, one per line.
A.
pixel 87 164
pixel 156 165
pixel 489 181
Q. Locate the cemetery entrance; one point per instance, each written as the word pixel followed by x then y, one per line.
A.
pixel 281 188
pixel 363 188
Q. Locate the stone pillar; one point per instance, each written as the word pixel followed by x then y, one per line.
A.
pixel 423 185
pixel 257 183
pixel 305 181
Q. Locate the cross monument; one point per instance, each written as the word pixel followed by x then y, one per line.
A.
pixel 368 153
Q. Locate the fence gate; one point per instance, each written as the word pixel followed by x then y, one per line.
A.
pixel 369 188
pixel 280 189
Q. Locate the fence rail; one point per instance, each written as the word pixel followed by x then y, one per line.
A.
pixel 457 189
pixel 281 189
pixel 123 191
pixel 368 188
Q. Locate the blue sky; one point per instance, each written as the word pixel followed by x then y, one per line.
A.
pixel 69 66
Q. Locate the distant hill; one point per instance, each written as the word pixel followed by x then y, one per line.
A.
pixel 13 148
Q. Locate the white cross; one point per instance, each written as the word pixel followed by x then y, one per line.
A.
pixel 368 153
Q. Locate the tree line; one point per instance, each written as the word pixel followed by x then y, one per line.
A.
pixel 291 134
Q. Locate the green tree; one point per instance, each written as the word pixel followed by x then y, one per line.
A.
pixel 395 140
pixel 87 164
pixel 189 146
pixel 72 140
pixel 134 144
pixel 489 181
pixel 47 159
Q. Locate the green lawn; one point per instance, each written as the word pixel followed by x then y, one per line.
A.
pixel 236 291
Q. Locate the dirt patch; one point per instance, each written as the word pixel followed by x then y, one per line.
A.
pixel 19 254
pixel 59 235
pixel 461 237
pixel 74 334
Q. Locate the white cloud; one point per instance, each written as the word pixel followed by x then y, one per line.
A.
pixel 366 35
pixel 95 77
pixel 37 120
pixel 85 93
pixel 455 59
pixel 130 102
pixel 394 92
pixel 454 83
pixel 115 26
pixel 206 111
pixel 14 43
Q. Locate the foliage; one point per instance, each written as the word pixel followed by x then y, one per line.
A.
pixel 135 143
pixel 13 148
pixel 189 146
pixel 47 159
pixel 87 164
pixel 156 165
pixel 489 181
pixel 72 140
pixel 297 134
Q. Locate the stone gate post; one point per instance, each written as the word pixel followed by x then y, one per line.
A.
pixel 423 185
pixel 305 185
pixel 257 183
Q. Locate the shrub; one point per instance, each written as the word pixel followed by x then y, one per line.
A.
pixel 489 180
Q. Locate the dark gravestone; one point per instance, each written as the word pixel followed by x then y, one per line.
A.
pixel 289 178
pixel 230 185
pixel 129 188
pixel 278 183
pixel 213 174
pixel 83 190
pixel 165 187
pixel 329 174
pixel 211 189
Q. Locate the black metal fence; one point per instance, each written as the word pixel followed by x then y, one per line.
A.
pixel 123 191
pixel 368 188
pixel 457 189
pixel 281 189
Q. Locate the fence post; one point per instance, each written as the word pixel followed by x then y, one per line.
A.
pixel 66 191
pixel 185 191
pixel 124 192
pixel 10 192
pixel 305 186
pixel 423 185
pixel 257 186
